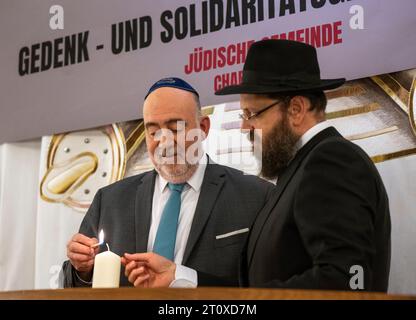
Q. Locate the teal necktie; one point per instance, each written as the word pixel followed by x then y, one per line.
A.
pixel 166 233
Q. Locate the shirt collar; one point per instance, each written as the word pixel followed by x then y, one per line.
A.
pixel 308 135
pixel 195 182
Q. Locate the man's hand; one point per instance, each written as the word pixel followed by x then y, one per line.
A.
pixel 148 270
pixel 81 255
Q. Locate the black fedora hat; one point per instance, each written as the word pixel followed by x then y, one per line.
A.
pixel 274 66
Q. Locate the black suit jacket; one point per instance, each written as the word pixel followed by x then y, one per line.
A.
pixel 229 201
pixel 328 213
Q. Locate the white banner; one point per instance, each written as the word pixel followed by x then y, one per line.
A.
pixel 75 64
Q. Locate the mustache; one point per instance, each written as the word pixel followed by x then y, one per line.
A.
pixel 251 135
pixel 169 154
pixel 169 150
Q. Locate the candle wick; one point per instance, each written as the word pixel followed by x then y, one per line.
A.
pixel 107 246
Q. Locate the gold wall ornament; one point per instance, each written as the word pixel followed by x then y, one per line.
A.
pixel 412 106
pixel 79 163
pixel 62 179
pixel 74 173
pixel 400 87
pixel 137 159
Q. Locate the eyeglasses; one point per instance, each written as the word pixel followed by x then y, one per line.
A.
pixel 252 115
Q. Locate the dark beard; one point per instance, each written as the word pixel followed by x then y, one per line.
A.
pixel 279 147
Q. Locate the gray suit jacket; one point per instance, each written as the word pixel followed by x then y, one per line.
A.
pixel 229 201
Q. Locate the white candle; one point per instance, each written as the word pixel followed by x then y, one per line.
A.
pixel 106 270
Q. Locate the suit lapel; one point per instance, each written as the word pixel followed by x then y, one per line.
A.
pixel 281 186
pixel 264 214
pixel 143 210
pixel 211 187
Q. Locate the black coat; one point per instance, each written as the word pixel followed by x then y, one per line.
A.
pixel 328 213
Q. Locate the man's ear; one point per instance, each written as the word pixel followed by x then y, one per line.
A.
pixel 298 107
pixel 205 125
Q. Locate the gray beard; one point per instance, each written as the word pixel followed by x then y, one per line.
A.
pixel 180 173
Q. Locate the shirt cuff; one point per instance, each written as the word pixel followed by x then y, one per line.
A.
pixel 80 279
pixel 184 278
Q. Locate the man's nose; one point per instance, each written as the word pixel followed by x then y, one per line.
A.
pixel 245 125
pixel 167 138
pixel 162 139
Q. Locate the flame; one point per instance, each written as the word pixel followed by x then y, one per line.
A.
pixel 101 236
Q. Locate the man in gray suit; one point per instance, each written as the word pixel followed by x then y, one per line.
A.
pixel 188 211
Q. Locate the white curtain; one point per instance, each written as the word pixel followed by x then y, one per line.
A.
pixel 399 177
pixel 56 224
pixel 19 180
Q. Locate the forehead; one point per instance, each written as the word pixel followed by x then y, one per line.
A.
pixel 252 100
pixel 167 102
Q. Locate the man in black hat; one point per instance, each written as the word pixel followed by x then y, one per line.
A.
pixel 327 226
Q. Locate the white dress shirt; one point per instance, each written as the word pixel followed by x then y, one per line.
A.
pixel 308 135
pixel 189 200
